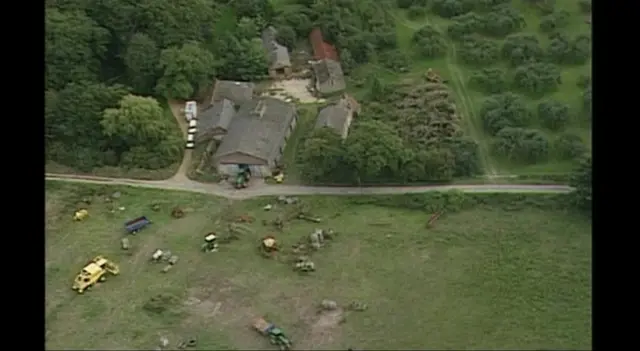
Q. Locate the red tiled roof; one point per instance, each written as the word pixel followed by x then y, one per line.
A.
pixel 321 49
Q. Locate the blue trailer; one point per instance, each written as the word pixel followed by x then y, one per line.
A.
pixel 134 225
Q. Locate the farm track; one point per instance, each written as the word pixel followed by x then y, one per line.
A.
pixel 261 189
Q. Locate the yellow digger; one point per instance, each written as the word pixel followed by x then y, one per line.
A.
pixel 95 271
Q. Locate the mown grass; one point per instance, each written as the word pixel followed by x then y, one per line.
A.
pixel 506 274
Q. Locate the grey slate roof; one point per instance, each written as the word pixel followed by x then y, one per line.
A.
pixel 258 129
pixel 217 116
pixel 237 92
pixel 278 55
pixel 333 116
pixel 329 76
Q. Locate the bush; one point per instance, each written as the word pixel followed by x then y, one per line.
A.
pixel 537 78
pixel 405 4
pixel 585 6
pixel 553 114
pixel 503 20
pixel 429 42
pixel 479 52
pixel 451 8
pixel 502 111
pixel 583 82
pixel 564 51
pixel 554 21
pixel 416 12
pixel 569 146
pixel 586 102
pixel 395 60
pixel 489 80
pixel 521 48
pixel 467 24
pixel 521 145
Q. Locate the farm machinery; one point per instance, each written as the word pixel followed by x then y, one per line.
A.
pixel 275 334
pixel 242 178
pixel 95 271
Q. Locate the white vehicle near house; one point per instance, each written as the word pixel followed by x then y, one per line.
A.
pixel 191 110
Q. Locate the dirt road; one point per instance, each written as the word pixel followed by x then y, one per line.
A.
pixel 261 189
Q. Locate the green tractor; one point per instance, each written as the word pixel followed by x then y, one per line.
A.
pixel 275 334
pixel 242 179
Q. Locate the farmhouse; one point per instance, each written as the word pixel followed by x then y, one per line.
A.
pixel 339 115
pixel 236 92
pixel 328 75
pixel 278 55
pixel 256 137
pixel 214 122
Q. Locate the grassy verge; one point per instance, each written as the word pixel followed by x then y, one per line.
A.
pixel 505 271
pixel 307 117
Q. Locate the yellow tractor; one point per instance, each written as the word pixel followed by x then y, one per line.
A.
pixel 95 271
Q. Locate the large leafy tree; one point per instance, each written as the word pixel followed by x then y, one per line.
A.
pixel 374 149
pixel 185 70
pixel 141 59
pixel 74 47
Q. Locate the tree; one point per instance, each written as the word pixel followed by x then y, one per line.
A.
pixel 537 78
pixel 243 60
pixel 405 4
pixel 379 90
pixel 416 12
pixel 583 81
pixel 562 50
pixel 581 181
pixel 374 149
pixel 73 131
pixel 521 145
pixel 585 6
pixel 451 8
pixel 569 146
pixel 467 156
pixel 586 101
pixel 479 52
pixel 247 28
pixel 321 155
pixel 141 59
pixel 554 21
pixel 395 60
pixel 502 20
pixel 502 111
pixel 429 42
pixel 287 36
pixel 437 164
pixel 464 25
pixel 75 45
pixel 253 9
pixel 185 71
pixel 139 123
pixel 489 80
pixel 172 23
pixel 346 61
pixel 521 48
pixel 553 114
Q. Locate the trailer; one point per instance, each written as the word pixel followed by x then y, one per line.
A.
pixel 134 225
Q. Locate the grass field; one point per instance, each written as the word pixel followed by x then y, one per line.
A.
pixel 469 100
pixel 480 278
